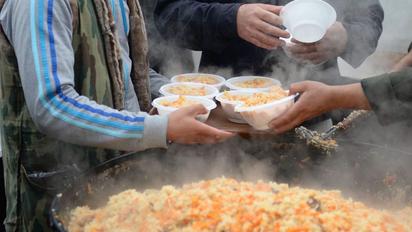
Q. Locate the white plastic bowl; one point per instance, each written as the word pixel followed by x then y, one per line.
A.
pixel 229 106
pixel 219 85
pixel 308 20
pixel 260 116
pixel 231 83
pixel 211 91
pixel 164 110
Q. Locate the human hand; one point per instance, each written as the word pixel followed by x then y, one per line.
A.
pixel 317 98
pixel 183 128
pixel 332 45
pixel 259 25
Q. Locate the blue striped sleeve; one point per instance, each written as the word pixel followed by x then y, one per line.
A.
pixel 42 43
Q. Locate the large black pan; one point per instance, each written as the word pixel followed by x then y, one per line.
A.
pixel 374 174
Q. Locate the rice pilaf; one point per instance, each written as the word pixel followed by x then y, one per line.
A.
pixel 228 205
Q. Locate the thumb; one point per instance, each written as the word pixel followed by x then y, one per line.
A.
pixel 194 110
pixel 272 8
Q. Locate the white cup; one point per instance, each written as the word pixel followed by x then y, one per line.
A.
pixel 308 20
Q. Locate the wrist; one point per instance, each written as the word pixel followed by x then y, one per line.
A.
pixel 350 97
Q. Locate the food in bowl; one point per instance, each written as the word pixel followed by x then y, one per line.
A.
pixel 254 83
pixel 180 102
pixel 228 205
pixel 230 96
pixel 275 93
pixel 189 89
pixel 203 79
pixel 168 104
pixel 229 100
pixel 259 98
pixel 251 83
pixel 260 109
pixel 232 99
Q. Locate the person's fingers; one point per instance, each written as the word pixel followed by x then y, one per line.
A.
pixel 270 18
pixel 209 131
pixel 268 41
pixel 217 134
pixel 272 8
pixel 194 110
pixel 288 126
pixel 208 135
pixel 257 43
pixel 271 30
pixel 287 118
pixel 298 49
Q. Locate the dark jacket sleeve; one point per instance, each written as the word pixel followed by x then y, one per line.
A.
pixel 390 96
pixel 363 22
pixel 197 24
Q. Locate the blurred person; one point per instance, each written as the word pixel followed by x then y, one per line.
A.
pixel 73 95
pixel 246 37
pixel 389 96
pixel 165 56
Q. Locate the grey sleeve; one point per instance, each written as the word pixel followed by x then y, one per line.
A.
pixel 156 81
pixel 41 35
pixel 390 96
pixel 363 23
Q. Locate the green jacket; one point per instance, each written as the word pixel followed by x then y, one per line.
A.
pixel 390 96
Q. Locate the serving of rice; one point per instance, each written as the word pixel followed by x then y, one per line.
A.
pixel 254 83
pixel 203 79
pixel 228 205
pixel 260 98
pixel 187 90
pixel 179 102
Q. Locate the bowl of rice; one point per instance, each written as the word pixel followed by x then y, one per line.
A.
pixel 202 78
pixel 229 100
pixel 261 108
pixel 168 104
pixel 254 83
pixel 189 89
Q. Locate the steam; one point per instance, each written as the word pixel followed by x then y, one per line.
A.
pixel 259 158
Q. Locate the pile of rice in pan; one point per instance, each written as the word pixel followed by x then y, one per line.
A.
pixel 228 205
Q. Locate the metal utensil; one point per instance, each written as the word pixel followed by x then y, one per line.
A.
pixel 324 141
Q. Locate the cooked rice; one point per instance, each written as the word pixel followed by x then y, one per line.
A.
pixel 179 102
pixel 228 205
pixel 203 79
pixel 235 97
pixel 275 93
pixel 187 90
pixel 254 83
